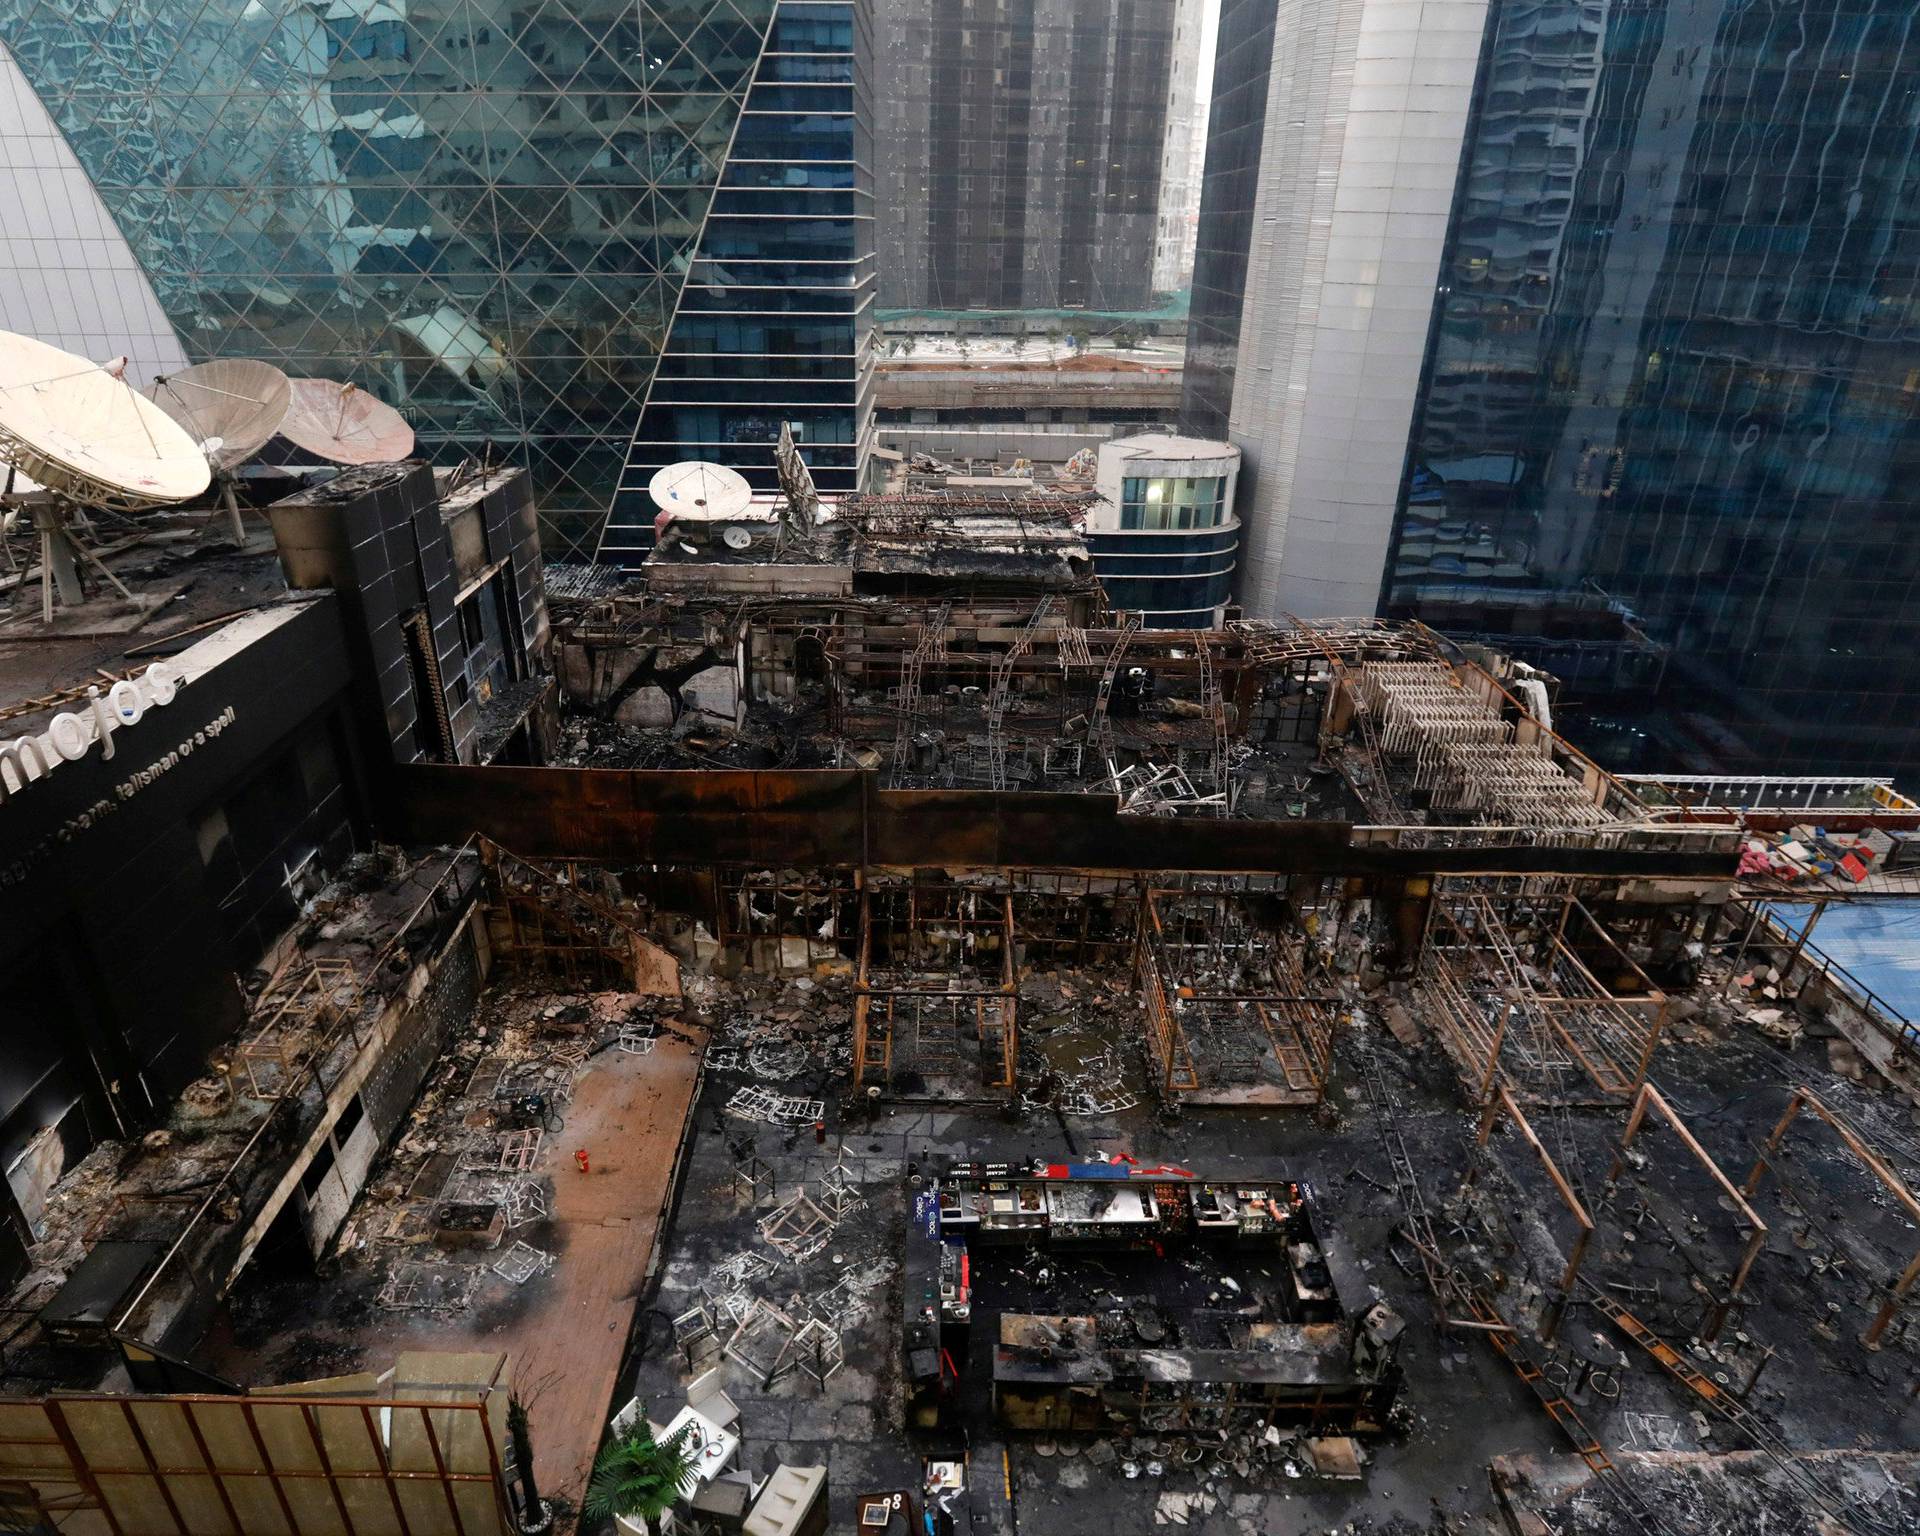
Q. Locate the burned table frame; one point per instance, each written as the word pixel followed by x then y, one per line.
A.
pixel 1494 1017
pixel 1499 1102
pixel 927 929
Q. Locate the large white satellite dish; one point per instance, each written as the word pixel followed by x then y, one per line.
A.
pixel 343 424
pixel 83 432
pixel 694 488
pixel 231 407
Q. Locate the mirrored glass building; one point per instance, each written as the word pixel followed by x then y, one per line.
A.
pixel 1591 330
pixel 774 316
pixel 1020 150
pixel 1673 389
pixel 487 212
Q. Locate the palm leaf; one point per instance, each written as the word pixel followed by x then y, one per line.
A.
pixel 638 1476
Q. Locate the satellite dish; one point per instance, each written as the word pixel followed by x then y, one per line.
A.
pixel 79 429
pixel 694 488
pixel 737 538
pixel 82 431
pixel 343 424
pixel 230 407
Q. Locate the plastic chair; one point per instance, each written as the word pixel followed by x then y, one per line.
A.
pixel 708 1397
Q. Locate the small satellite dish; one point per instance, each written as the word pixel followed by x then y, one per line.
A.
pixel 230 407
pixel 343 424
pixel 694 488
pixel 85 434
pixel 737 538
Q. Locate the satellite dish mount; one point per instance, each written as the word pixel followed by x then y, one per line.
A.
pixel 77 429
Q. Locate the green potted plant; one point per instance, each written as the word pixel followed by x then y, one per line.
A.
pixel 637 1479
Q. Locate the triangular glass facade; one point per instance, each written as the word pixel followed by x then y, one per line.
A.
pixel 482 211
pixel 774 320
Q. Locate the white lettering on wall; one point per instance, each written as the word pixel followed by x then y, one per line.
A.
pixel 68 736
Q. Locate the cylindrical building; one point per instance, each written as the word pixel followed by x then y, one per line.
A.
pixel 1164 537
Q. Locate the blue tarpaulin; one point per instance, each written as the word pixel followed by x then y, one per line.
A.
pixel 1877 942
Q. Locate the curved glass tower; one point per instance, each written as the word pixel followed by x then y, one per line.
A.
pixel 484 211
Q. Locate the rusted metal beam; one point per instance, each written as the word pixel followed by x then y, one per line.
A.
pixel 1649 1098
pixel 842 818
pixel 1874 1164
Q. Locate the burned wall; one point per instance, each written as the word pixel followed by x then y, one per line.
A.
pixel 428 1030
pixel 449 990
pixel 442 592
pixel 123 922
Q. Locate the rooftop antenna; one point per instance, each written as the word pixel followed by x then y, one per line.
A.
pixel 343 424
pixel 231 407
pixel 92 441
pixel 802 512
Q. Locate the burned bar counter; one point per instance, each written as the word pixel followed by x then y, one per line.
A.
pixel 1119 1297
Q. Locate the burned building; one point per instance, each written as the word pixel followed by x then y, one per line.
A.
pixel 154 872
pixel 844 993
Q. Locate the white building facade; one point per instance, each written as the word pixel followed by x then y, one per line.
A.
pixel 67 275
pixel 1325 286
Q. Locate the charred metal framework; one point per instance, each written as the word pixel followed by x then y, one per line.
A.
pixel 935 984
pixel 566 920
pixel 1513 986
pixel 1301 1341
pixel 785 919
pixel 1753 1228
pixel 1895 1287
pixel 1433 728
pixel 295 1015
pixel 1229 1016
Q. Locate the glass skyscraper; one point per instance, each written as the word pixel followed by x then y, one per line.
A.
pixel 1020 151
pixel 1674 376
pixel 487 211
pixel 1236 124
pixel 774 319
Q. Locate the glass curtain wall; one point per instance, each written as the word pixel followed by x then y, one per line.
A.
pixel 1229 185
pixel 1673 381
pixel 774 321
pixel 481 211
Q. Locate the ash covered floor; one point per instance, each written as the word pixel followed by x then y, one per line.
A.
pixel 392 1287
pixel 1461 1406
pixel 780 1047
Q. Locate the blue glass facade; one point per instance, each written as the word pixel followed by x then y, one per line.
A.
pixel 483 211
pixel 1172 579
pixel 774 321
pixel 1673 375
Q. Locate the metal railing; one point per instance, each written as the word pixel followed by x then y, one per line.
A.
pixel 1904 1031
pixel 1772 792
pixel 313 1073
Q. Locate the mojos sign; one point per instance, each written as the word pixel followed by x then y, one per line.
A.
pixel 70 735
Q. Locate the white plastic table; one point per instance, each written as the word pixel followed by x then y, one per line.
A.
pixel 711 1447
